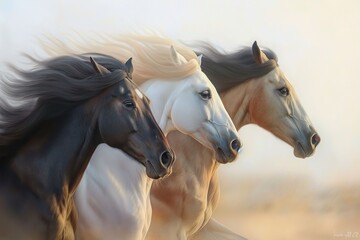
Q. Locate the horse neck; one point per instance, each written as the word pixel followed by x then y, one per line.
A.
pixel 237 101
pixel 133 177
pixel 110 162
pixel 193 182
pixel 56 157
pixel 162 94
pixel 195 163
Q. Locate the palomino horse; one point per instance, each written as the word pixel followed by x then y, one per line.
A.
pixel 253 90
pixel 183 99
pixel 69 105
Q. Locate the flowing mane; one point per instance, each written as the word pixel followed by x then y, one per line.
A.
pixel 52 88
pixel 226 70
pixel 151 54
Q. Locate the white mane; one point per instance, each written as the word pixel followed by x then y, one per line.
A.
pixel 151 54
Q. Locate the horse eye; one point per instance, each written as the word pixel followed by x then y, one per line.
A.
pixel 284 91
pixel 206 94
pixel 129 104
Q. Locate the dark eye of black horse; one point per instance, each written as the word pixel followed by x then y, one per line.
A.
pixel 206 94
pixel 129 104
pixel 284 91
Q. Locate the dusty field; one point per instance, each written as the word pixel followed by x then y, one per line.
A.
pixel 290 209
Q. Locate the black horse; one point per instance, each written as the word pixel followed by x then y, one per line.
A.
pixel 69 105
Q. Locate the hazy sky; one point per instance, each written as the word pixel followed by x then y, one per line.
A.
pixel 317 43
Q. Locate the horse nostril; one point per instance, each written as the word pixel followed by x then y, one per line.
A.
pixel 315 139
pixel 235 145
pixel 166 159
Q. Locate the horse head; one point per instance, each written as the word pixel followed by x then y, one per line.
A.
pixel 276 107
pixel 197 110
pixel 126 122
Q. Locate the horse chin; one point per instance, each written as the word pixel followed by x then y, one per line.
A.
pixel 223 158
pixel 302 152
pixel 209 137
pixel 153 173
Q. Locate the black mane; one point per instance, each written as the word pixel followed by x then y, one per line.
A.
pixel 228 70
pixel 50 89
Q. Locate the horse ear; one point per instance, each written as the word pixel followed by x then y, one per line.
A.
pixel 98 68
pixel 129 67
pixel 257 53
pixel 199 58
pixel 174 55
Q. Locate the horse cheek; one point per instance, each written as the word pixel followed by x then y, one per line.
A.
pixel 186 116
pixel 111 128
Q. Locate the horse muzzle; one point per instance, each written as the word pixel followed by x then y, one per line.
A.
pixel 306 148
pixel 162 167
pixel 228 147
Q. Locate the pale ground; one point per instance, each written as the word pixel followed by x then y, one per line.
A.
pixel 286 208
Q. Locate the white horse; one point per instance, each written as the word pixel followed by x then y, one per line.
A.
pixel 254 90
pixel 113 197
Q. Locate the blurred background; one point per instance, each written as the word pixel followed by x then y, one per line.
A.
pixel 267 193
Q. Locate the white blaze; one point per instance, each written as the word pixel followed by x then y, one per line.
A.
pixel 139 93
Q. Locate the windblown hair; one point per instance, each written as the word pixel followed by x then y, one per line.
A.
pixel 48 91
pixel 151 54
pixel 228 70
